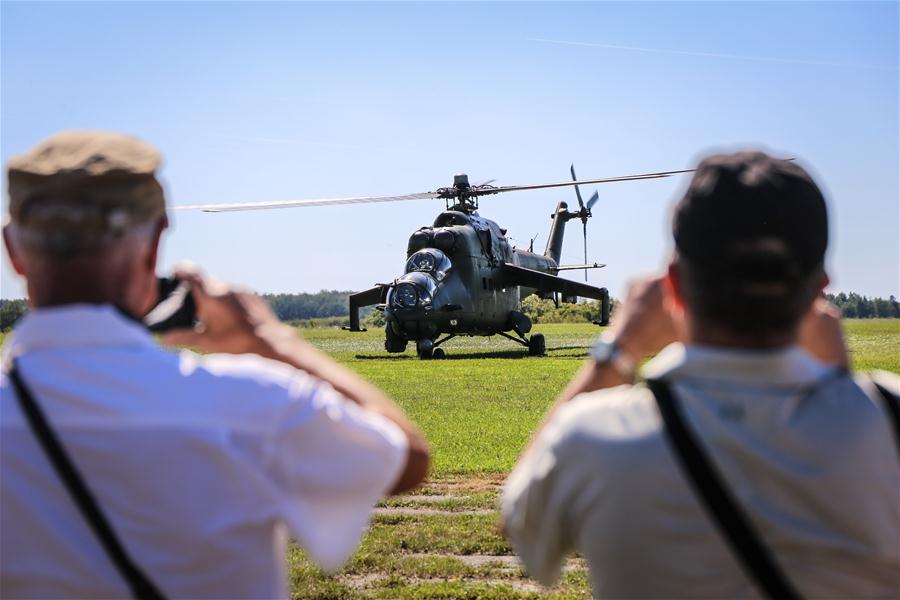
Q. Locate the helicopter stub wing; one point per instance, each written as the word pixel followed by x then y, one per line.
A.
pixel 375 295
pixel 584 266
pixel 544 282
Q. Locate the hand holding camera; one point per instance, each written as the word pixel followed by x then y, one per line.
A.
pixel 227 319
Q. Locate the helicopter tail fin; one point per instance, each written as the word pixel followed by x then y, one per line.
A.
pixel 562 215
pixel 557 230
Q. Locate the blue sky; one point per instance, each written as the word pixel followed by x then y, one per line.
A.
pixel 259 101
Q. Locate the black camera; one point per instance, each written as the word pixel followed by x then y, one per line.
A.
pixel 175 309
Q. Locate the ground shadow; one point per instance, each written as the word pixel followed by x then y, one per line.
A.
pixel 465 355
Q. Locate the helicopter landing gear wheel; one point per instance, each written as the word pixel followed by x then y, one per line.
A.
pixel 425 349
pixel 536 345
pixel 438 353
pixel 393 342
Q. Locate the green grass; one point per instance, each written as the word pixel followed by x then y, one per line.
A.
pixel 429 555
pixel 462 533
pixel 874 344
pixel 479 406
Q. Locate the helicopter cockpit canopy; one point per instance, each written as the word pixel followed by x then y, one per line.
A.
pixel 431 261
pixel 413 289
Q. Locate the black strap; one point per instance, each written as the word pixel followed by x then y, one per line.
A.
pixel 734 524
pixel 141 587
pixel 892 407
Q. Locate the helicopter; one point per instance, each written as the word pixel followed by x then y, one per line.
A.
pixel 462 275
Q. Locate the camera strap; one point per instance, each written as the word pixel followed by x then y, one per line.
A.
pixel 733 523
pixel 141 587
pixel 891 404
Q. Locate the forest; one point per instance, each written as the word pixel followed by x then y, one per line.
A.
pixel 327 308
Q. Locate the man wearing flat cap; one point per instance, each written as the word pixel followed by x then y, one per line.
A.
pixel 130 469
pixel 749 462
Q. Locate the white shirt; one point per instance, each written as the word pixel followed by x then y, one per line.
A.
pixel 202 464
pixel 816 472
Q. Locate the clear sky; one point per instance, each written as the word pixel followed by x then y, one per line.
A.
pixel 258 101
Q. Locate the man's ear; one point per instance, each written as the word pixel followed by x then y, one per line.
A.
pixel 153 252
pixel 14 257
pixel 824 280
pixel 673 283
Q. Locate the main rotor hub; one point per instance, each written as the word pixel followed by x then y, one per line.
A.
pixel 461 181
pixel 461 196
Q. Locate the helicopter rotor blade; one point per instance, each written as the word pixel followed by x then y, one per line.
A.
pixel 541 186
pixel 301 203
pixel 593 199
pixel 445 193
pixel 577 191
pixel 485 182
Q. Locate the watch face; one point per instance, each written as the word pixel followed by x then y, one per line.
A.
pixel 610 354
pixel 603 351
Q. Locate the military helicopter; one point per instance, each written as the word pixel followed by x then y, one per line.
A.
pixel 462 275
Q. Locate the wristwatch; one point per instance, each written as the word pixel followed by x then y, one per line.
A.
pixel 606 351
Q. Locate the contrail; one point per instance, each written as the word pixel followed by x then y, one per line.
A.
pixel 793 61
pixel 294 142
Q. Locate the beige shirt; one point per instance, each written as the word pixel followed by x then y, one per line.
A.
pixel 808 455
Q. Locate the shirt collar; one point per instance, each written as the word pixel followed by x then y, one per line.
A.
pixel 790 365
pixel 73 325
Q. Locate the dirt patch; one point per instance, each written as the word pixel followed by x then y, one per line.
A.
pixel 370 580
pixel 460 486
pixel 416 510
pixel 477 560
pixel 430 497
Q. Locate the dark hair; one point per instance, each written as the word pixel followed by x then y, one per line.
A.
pixel 747 309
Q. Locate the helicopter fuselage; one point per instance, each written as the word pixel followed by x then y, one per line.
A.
pixel 463 277
pixel 456 271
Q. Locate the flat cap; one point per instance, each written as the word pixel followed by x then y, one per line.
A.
pixel 78 184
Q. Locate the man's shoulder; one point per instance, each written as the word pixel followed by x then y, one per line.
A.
pixel 622 421
pixel 246 369
pixel 153 384
pixel 244 378
pixel 621 411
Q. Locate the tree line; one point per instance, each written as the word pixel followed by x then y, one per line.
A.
pixel 854 306
pixel 329 308
pixel 321 308
pixel 300 307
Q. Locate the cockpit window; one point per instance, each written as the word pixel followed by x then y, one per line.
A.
pixel 413 289
pixel 431 261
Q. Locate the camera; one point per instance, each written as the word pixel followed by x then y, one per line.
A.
pixel 175 309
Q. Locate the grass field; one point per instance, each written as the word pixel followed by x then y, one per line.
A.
pixel 478 408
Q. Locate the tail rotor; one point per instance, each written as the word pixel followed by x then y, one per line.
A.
pixel 584 212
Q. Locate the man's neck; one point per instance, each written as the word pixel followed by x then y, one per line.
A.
pixel 758 341
pixel 67 290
